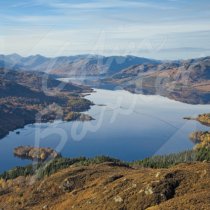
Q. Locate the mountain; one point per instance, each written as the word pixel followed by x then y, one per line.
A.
pixel 186 80
pixel 81 65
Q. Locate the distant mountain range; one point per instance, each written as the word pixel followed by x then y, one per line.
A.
pixel 183 80
pixel 67 66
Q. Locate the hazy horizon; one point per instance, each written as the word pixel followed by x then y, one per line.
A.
pixel 108 55
pixel 163 29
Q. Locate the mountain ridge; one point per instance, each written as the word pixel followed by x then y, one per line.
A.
pixel 78 65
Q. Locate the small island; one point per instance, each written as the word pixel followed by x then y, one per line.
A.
pixel 202 118
pixel 35 153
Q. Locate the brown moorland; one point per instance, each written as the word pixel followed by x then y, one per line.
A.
pixel 111 186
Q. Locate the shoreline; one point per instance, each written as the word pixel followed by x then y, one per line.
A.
pixel 156 162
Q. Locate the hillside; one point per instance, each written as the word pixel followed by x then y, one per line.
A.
pixel 40 81
pixel 66 66
pixel 187 81
pixel 23 99
pixel 111 186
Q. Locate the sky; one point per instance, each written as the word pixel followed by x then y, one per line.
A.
pixel 160 29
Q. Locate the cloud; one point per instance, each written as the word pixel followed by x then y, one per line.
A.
pixel 108 5
pixel 113 27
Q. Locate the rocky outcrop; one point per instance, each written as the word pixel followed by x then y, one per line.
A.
pixel 77 116
pixel 35 153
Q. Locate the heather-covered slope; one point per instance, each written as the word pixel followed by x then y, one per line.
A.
pixel 111 186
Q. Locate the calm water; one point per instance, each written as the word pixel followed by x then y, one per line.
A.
pixel 128 127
